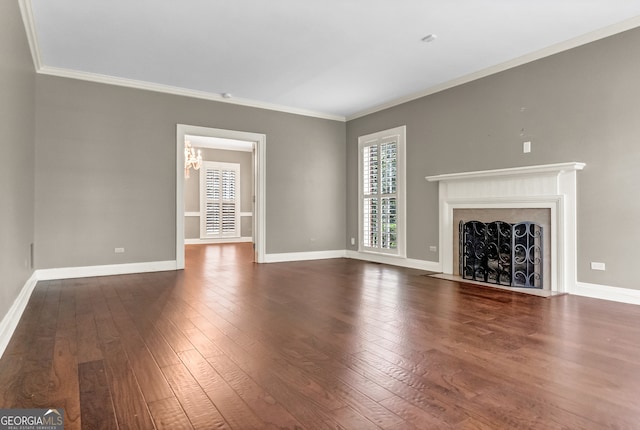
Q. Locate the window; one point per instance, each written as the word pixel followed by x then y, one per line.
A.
pixel 381 187
pixel 219 200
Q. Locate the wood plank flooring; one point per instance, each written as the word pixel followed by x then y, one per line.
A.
pixel 331 344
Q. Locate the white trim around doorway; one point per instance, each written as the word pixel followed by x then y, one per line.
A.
pixel 259 176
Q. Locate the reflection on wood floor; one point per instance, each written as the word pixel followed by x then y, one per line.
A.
pixel 330 344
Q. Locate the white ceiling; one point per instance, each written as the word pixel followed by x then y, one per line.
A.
pixel 330 58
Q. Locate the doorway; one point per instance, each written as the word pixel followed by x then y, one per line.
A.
pixel 258 148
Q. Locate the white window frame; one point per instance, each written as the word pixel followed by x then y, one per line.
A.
pixel 203 199
pixel 399 135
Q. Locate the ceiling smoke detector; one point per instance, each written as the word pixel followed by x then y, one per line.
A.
pixel 429 38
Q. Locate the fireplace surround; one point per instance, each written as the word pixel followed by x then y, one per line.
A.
pixel 550 186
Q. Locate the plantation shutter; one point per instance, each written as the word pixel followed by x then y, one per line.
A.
pixel 220 200
pixel 379 192
pixel 370 210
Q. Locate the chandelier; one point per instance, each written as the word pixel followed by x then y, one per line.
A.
pixel 190 158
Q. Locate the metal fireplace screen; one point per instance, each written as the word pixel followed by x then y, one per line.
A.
pixel 501 253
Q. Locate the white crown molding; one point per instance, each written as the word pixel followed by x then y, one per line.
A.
pixel 32 37
pixel 168 89
pixel 12 318
pixel 29 26
pixel 27 16
pixel 528 58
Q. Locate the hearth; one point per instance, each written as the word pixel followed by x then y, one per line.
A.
pixel 502 253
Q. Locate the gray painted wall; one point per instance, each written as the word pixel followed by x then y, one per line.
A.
pixel 105 173
pixel 579 105
pixel 192 189
pixel 103 164
pixel 17 116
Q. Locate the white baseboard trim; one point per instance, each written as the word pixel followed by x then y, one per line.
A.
pixel 12 318
pixel 105 270
pixel 411 263
pixel 213 241
pixel 303 256
pixel 604 292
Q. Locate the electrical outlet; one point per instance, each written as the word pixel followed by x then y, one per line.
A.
pixel 597 266
pixel 526 147
pixel 353 241
pixel 433 248
pixel 119 251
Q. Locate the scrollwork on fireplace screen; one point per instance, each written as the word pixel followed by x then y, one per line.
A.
pixel 501 253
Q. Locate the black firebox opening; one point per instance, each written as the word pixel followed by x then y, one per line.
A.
pixel 501 253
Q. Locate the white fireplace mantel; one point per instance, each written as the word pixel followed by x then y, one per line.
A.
pixel 551 186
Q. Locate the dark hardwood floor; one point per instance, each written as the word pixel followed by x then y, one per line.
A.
pixel 332 344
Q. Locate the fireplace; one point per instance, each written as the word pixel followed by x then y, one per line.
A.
pixel 502 253
pixel 551 188
pixel 540 216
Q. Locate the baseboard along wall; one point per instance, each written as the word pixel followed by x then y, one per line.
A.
pixel 12 318
pixel 10 321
